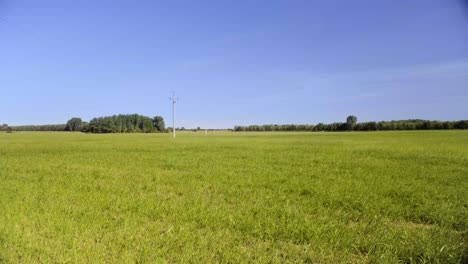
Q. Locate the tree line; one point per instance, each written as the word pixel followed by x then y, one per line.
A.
pixel 108 124
pixel 351 124
pixel 125 124
pixel 142 124
pixel 58 127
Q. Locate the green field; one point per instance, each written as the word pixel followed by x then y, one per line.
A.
pixel 377 197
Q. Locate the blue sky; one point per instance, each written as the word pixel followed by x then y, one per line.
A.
pixel 233 62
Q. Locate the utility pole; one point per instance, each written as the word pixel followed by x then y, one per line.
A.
pixel 174 100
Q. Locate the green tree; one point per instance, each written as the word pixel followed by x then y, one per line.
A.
pixel 85 127
pixel 158 123
pixel 74 124
pixel 351 122
pixel 121 124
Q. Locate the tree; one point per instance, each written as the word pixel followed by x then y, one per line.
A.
pixel 319 127
pixel 351 122
pixel 74 124
pixel 120 124
pixel 158 123
pixel 85 127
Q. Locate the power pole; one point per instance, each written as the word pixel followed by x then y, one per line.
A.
pixel 174 100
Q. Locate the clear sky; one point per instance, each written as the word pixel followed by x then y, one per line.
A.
pixel 233 62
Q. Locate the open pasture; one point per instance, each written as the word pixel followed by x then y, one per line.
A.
pixel 377 197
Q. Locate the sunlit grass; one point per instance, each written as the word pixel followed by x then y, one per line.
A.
pixel 383 197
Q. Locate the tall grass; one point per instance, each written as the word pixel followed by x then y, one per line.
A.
pixel 378 197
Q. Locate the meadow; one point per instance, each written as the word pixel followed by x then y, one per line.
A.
pixel 358 197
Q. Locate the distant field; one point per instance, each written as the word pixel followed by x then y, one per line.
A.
pixel 377 197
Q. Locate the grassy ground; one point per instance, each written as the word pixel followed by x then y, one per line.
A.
pixel 382 197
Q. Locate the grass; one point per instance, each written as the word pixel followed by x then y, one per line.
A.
pixel 381 197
